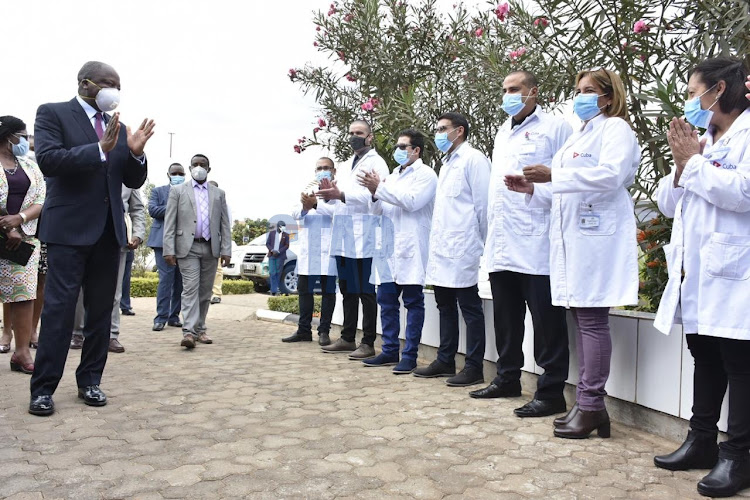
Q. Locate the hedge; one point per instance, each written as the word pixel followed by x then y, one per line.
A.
pixel 290 304
pixel 146 287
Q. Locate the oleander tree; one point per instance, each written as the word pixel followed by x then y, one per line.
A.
pixel 400 64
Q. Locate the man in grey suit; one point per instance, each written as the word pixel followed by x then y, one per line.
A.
pixel 196 232
pixel 135 228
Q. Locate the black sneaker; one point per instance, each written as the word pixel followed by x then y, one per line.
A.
pixel 435 369
pixel 467 376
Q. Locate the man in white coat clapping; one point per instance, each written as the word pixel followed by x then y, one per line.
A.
pixel 353 241
pixel 459 228
pixel 406 198
pixel 517 254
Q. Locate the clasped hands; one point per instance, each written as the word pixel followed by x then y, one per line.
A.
pixel 136 140
pixel 531 174
pixel 684 142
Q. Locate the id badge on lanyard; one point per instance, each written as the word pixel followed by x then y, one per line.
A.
pixel 587 219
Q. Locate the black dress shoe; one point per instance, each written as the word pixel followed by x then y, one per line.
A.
pixel 435 369
pixel 541 408
pixel 92 395
pixel 175 324
pixel 42 406
pixel 726 479
pixel 324 339
pixel 697 452
pixel 496 391
pixel 127 312
pixel 158 327
pixel 466 377
pixel 76 341
pixel 298 337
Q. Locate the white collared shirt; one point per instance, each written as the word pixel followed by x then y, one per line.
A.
pixel 459 221
pixel 518 235
pixel 91 113
pixel 406 199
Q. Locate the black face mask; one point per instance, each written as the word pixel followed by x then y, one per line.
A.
pixel 357 143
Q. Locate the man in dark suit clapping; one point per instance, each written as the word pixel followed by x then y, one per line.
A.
pixel 86 156
pixel 168 300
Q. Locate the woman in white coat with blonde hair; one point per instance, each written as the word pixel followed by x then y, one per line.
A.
pixel 593 257
pixel 708 259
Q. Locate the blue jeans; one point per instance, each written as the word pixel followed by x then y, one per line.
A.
pixel 413 297
pixel 125 298
pixel 169 292
pixel 275 266
pixel 448 300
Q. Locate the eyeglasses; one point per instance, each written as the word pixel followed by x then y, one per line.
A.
pixel 403 146
pixel 25 136
pixel 444 128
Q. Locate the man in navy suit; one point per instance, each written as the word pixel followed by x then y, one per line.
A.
pixel 168 294
pixel 86 156
pixel 277 243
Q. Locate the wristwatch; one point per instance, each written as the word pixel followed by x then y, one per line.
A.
pixel 23 216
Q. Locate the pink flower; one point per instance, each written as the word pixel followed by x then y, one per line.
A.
pixel 292 74
pixel 321 122
pixel 297 149
pixel 643 57
pixel 502 11
pixel 479 32
pixel 367 106
pixel 350 77
pixel 542 21
pixel 316 130
pixel 641 27
pixel 348 17
pixel 521 51
pixel 341 55
pixel 315 44
pixel 317 28
pixel 300 141
pixel 332 10
pixel 513 55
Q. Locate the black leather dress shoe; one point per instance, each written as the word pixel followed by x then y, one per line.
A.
pixel 175 324
pixel 42 406
pixel 324 339
pixel 697 452
pixel 726 479
pixel 92 395
pixel 541 408
pixel 496 391
pixel 127 312
pixel 298 337
pixel 158 327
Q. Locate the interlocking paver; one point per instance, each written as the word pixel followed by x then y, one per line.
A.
pixel 251 417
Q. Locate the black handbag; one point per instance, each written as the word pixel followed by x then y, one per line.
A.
pixel 20 255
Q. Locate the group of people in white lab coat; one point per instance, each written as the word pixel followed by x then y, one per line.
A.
pixel 554 222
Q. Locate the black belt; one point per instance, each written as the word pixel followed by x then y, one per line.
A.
pixel 201 240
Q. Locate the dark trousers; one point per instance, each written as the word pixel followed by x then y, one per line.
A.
pixel 169 290
pixel 448 300
pixel 125 297
pixel 720 362
pixel 390 308
pixel 511 293
pixel 95 268
pixel 306 288
pixel 355 286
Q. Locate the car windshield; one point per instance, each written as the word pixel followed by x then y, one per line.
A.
pixel 260 240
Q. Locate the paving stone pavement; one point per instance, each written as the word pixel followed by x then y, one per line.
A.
pixel 251 417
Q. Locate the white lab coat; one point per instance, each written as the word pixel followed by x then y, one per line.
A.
pixel 354 228
pixel 459 221
pixel 710 239
pixel 314 236
pixel 593 266
pixel 407 199
pixel 518 235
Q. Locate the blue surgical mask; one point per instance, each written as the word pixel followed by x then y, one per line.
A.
pixel 323 174
pixel 21 148
pixel 586 106
pixel 442 142
pixel 401 156
pixel 176 180
pixel 513 103
pixel 696 115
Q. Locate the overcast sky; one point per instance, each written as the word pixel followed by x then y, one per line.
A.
pixel 213 72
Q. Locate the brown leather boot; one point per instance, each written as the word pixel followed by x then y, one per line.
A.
pixel 568 416
pixel 583 423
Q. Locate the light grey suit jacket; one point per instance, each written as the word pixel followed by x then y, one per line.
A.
pixel 181 219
